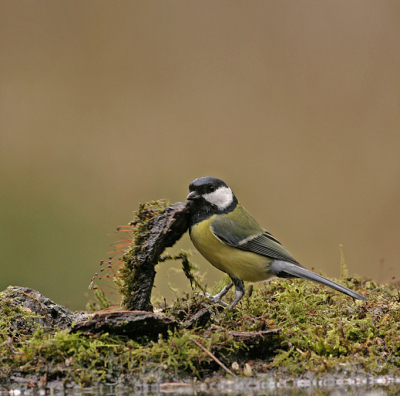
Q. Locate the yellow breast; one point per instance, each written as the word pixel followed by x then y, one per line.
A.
pixel 243 265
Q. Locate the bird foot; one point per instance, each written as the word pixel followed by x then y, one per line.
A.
pixel 216 299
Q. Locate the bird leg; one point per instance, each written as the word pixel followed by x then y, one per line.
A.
pixel 218 297
pixel 239 291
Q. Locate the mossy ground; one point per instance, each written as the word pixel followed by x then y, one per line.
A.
pixel 321 331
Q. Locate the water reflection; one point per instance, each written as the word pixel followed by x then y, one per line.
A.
pixel 329 386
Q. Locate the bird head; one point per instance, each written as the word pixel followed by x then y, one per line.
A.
pixel 212 194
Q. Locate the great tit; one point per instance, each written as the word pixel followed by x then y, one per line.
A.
pixel 229 237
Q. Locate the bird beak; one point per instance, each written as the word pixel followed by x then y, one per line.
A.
pixel 193 195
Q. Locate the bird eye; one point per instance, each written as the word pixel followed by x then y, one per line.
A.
pixel 212 189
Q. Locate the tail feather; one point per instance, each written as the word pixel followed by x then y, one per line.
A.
pixel 283 269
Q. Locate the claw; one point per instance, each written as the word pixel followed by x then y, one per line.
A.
pixel 216 299
pixel 239 292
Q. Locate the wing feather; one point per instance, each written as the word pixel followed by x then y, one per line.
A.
pixel 248 235
pixel 267 245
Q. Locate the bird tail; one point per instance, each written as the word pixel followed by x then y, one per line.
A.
pixel 283 269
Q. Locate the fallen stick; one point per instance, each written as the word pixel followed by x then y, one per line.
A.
pixel 213 357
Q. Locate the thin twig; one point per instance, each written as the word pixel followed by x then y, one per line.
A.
pixel 213 357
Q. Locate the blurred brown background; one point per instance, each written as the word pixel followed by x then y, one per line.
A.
pixel 295 104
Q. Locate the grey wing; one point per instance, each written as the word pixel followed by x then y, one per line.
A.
pixel 267 245
pixel 233 234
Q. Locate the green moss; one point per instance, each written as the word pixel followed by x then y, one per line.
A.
pixel 321 331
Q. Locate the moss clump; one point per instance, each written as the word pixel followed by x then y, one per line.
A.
pixel 321 331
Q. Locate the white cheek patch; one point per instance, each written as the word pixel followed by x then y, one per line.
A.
pixel 222 197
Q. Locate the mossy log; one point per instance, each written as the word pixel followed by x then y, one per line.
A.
pixel 156 235
pixel 131 324
pixel 35 311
